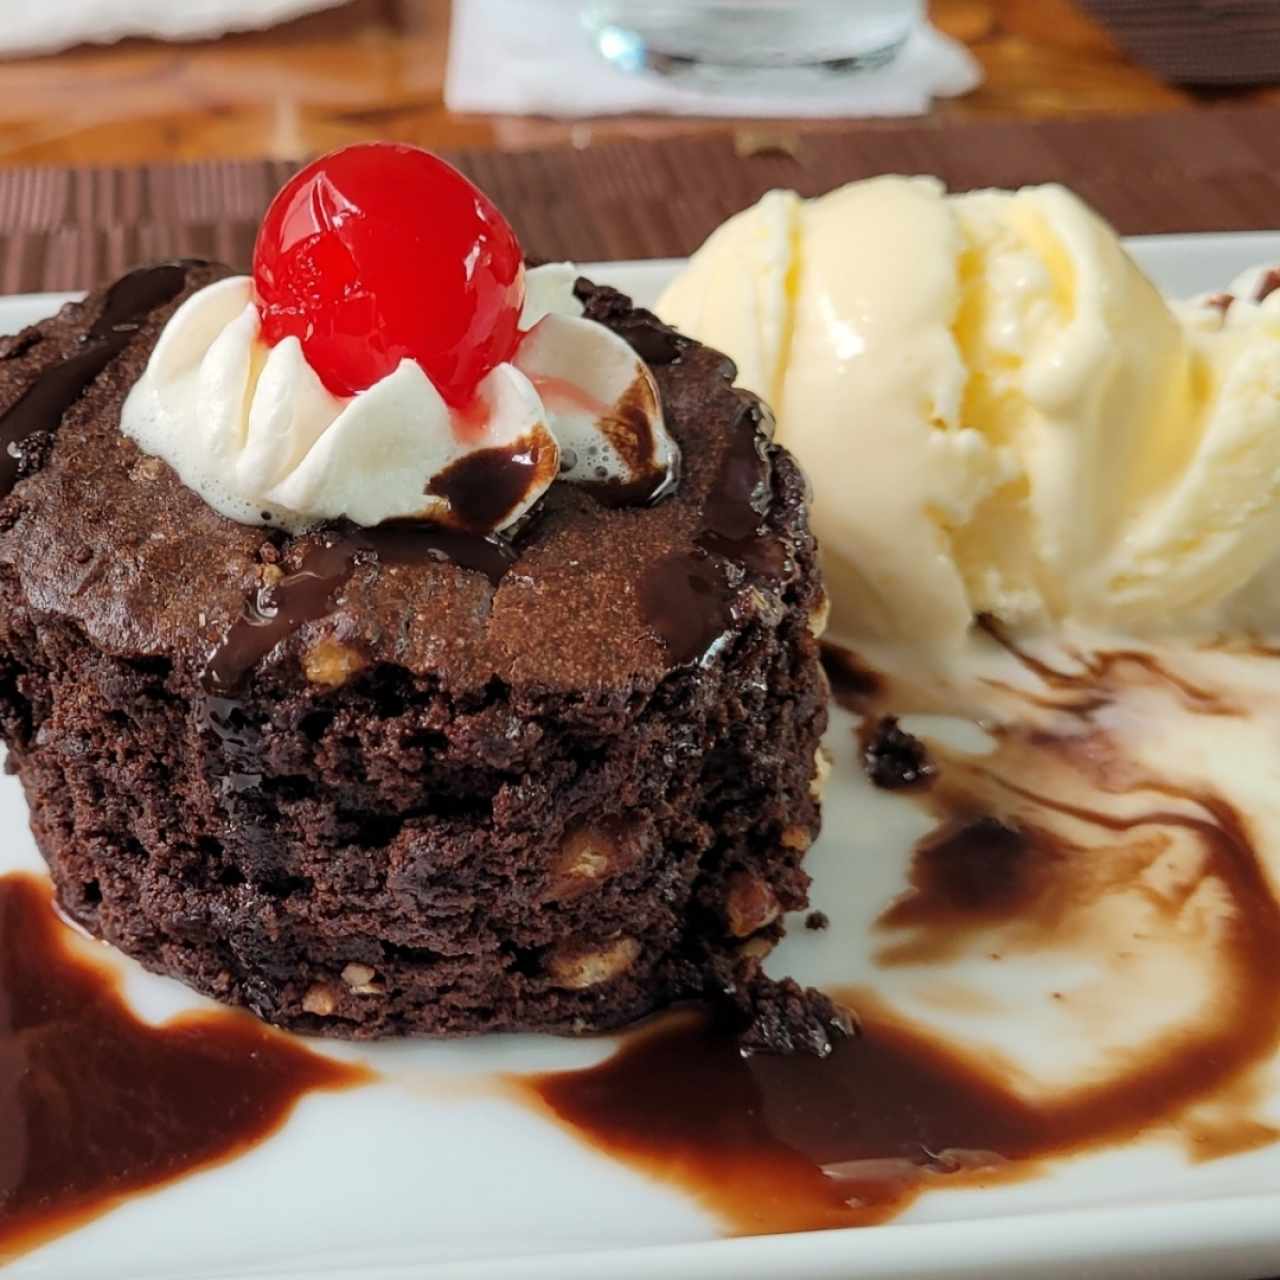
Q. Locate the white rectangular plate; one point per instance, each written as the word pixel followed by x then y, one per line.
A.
pixel 417 1177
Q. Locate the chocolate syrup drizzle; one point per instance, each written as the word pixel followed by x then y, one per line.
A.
pixel 647 491
pixel 42 405
pixel 278 611
pixel 689 599
pixel 737 506
pixel 483 487
pixel 309 593
pixel 631 433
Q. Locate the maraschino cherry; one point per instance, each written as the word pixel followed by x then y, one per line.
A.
pixel 379 252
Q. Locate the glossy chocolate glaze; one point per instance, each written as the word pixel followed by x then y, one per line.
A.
pixel 482 488
pixel 40 408
pixel 687 600
pixel 280 610
pixel 734 517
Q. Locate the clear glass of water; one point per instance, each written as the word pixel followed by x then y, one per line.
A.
pixel 677 37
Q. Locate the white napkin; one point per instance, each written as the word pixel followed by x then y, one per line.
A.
pixel 57 24
pixel 532 57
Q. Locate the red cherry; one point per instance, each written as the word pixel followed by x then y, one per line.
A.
pixel 381 252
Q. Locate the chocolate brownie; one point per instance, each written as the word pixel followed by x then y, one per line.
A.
pixel 372 782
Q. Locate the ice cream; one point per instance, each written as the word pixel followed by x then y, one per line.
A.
pixel 999 412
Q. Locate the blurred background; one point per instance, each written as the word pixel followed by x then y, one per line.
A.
pixel 621 129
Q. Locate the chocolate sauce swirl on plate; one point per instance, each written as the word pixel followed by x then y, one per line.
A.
pixel 792 1143
pixel 97 1105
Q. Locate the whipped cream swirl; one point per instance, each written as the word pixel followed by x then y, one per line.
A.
pixel 253 430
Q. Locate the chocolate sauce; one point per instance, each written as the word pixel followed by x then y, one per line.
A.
pixel 136 295
pixel 686 599
pixel 777 1144
pixel 310 593
pixel 734 517
pixel 854 685
pixel 41 407
pixel 738 502
pixel 409 543
pixel 1097 678
pixel 796 1143
pixel 483 487
pixel 628 427
pixel 96 1105
pixel 1269 283
pixel 647 491
pixel 975 870
pixel 278 611
pixel 629 430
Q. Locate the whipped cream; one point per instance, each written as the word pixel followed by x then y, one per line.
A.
pixel 253 430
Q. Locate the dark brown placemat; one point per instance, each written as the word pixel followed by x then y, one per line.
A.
pixel 1181 171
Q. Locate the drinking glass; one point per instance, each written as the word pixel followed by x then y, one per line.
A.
pixel 675 37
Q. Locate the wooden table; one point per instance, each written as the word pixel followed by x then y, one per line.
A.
pixel 375 69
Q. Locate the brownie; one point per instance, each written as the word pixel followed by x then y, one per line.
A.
pixel 381 782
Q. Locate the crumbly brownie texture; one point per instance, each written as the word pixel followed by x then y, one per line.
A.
pixel 893 758
pixel 781 1017
pixel 444 805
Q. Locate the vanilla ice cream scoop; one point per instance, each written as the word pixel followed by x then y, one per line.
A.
pixel 999 412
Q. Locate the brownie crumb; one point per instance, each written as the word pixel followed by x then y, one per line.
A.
pixel 782 1017
pixel 817 920
pixel 894 758
pixel 14 345
pixel 32 452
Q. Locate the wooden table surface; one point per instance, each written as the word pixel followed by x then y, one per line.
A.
pixel 375 69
